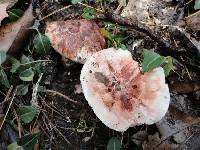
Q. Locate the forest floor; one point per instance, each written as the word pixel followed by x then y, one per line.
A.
pixel 42 105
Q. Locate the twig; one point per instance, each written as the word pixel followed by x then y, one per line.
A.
pixel 31 129
pixel 37 61
pixel 56 111
pixel 54 12
pixel 188 73
pixel 185 141
pixel 34 101
pixel 2 93
pixel 62 95
pixel 7 96
pixel 62 135
pixel 192 15
pixel 18 123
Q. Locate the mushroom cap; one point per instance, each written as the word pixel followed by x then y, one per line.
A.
pixel 120 94
pixel 75 39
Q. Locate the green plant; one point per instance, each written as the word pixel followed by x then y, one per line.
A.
pixel 113 40
pixel 41 42
pixel 82 127
pixel 26 68
pixel 115 35
pixel 197 4
pixel 15 14
pixel 114 144
pixel 153 60
pixel 88 13
pixel 27 142
pixel 27 113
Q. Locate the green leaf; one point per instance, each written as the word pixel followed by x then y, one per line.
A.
pixel 4 79
pixel 27 75
pixel 2 57
pixel 37 68
pixel 27 113
pixel 88 13
pixel 76 1
pixel 197 4
pixel 114 144
pixel 28 141
pixel 25 63
pixel 123 46
pixel 41 43
pixel 22 89
pixel 15 14
pixel 26 59
pixel 15 65
pixel 151 60
pixel 41 89
pixel 168 67
pixel 14 146
pixel 35 25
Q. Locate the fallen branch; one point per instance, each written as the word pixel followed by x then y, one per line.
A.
pixel 190 50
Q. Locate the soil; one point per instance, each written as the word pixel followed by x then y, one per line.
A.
pixel 65 80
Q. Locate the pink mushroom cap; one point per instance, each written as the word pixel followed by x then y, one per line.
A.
pixel 75 39
pixel 120 94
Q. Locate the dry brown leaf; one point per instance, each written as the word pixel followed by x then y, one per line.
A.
pixel 185 87
pixel 13 36
pixel 139 137
pixel 193 21
pixel 175 124
pixel 3 13
pixel 154 142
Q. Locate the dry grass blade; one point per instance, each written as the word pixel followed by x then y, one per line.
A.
pixel 34 101
pixel 6 98
pixel 62 95
pixel 56 11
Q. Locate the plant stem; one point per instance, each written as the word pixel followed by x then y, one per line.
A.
pixel 37 61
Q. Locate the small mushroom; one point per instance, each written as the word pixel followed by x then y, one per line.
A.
pixel 120 94
pixel 75 39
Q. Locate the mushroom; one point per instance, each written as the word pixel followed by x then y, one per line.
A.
pixel 75 39
pixel 120 94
